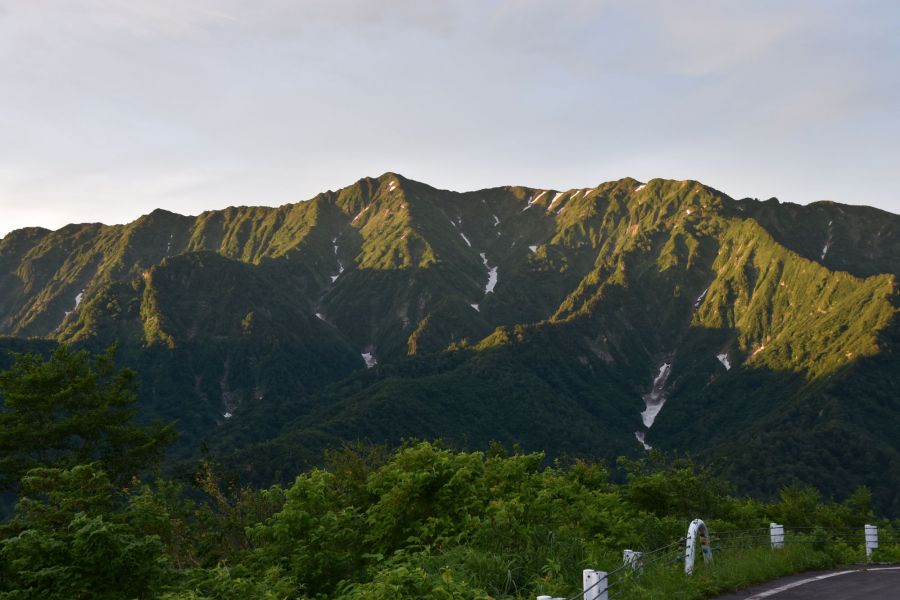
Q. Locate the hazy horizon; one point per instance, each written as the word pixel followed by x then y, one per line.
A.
pixel 112 108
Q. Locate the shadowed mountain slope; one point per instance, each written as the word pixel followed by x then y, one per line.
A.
pixel 590 321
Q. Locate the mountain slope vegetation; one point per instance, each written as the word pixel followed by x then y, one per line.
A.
pixel 761 336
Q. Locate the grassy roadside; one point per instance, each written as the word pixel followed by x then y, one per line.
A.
pixel 738 568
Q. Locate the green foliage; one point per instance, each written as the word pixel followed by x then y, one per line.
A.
pixel 673 488
pixel 72 409
pixel 238 583
pixel 423 521
pixel 67 540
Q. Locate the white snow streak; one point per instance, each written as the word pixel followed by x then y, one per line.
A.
pixel 370 359
pixel 496 220
pixel 663 374
pixel 532 200
pixel 640 187
pixel 641 437
pixel 340 264
pixel 700 298
pixel 228 415
pixel 827 242
pixel 475 306
pixel 465 239
pixel 492 274
pixel 360 214
pixel 556 199
pixel 78 298
pixel 340 270
pixel 723 358
pixel 532 248
pixel 655 398
pixel 320 316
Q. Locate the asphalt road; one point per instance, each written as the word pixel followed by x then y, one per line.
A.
pixel 876 583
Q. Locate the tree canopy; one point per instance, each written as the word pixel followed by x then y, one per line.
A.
pixel 72 408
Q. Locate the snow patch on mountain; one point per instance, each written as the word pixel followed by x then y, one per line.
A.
pixel 827 242
pixel 655 398
pixel 360 213
pixel 370 359
pixel 340 264
pixel 532 199
pixel 723 358
pixel 78 298
pixel 556 199
pixel 465 239
pixel 492 275
pixel 642 438
pixel 700 298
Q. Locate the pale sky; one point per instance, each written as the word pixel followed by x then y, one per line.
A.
pixel 111 108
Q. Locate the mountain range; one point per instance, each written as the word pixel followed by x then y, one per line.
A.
pixel 760 337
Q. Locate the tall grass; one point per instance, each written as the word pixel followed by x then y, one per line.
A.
pixel 733 569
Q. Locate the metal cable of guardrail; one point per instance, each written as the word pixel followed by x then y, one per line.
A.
pixel 743 546
pixel 661 548
pixel 597 584
pixel 651 557
pixel 741 537
pixel 605 578
pixel 711 532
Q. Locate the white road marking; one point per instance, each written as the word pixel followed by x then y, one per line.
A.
pixel 788 586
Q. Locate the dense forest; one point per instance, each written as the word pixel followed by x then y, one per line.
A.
pixel 96 517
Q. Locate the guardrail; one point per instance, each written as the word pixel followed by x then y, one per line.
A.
pixel 602 585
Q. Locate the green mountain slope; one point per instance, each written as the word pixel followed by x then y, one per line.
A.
pixel 757 334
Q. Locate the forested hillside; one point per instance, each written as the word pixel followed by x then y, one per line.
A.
pixel 95 519
pixel 760 337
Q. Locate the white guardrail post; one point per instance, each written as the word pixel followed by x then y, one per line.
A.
pixel 595 585
pixel 697 532
pixel 871 540
pixel 633 560
pixel 776 534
